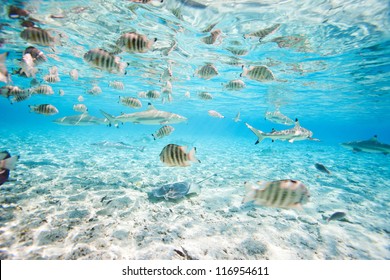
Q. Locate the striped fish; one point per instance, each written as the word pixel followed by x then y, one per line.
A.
pixel 261 34
pixel 235 85
pixel 7 91
pixel 283 193
pixel 43 109
pixel 259 73
pixel 37 55
pixel 117 85
pixel 175 155
pixel 61 92
pixel 132 42
pixel 163 131
pixel 103 60
pixel 80 108
pixel 95 90
pixel 153 94
pixel 213 37
pixel 207 71
pixel 130 101
pixel 38 36
pixel 42 89
pixel 205 95
pixel 236 51
pixel 20 97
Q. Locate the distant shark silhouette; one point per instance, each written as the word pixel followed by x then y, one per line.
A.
pixel 369 146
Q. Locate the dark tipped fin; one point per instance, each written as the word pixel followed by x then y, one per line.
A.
pixel 257 142
pixel 153 136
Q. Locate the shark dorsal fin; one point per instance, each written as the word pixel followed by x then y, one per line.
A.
pixel 374 139
pixel 297 125
pixel 150 107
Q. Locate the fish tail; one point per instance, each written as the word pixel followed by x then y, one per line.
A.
pixel 257 132
pixel 250 193
pixel 10 163
pixel 154 137
pixel 111 119
pixel 244 71
pixel 122 67
pixel 31 108
pixel 191 155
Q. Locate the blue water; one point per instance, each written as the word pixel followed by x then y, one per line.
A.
pixel 78 194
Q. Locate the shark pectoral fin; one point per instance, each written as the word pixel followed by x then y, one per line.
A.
pixel 257 142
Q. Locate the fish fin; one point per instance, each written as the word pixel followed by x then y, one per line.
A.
pixel 191 155
pixel 374 138
pixel 244 71
pixel 3 57
pixel 257 132
pixel 154 137
pixel 111 119
pixel 250 192
pixel 150 107
pixel 10 163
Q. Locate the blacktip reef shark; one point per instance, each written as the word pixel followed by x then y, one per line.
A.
pixel 150 116
pixel 296 133
pixel 369 146
pixel 80 120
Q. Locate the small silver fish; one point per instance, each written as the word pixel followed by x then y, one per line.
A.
pixel 117 85
pixel 237 117
pixel 322 168
pixel 27 66
pixel 215 114
pixel 42 89
pixel 336 216
pixel 44 109
pixel 175 155
pixel 80 108
pixel 163 131
pixel 80 98
pixel 205 95
pixel 7 91
pixel 207 71
pixel 259 73
pixel 283 193
pixel 61 92
pixel 130 101
pixel 235 85
pixel 132 42
pixel 153 94
pixel 74 74
pixel 95 90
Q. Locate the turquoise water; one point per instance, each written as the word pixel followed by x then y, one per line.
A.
pixel 82 192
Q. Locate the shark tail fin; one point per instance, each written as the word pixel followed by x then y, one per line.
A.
pixel 257 132
pixel 111 119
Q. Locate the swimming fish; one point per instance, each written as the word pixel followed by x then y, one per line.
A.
pixel 103 60
pixel 27 66
pixel 205 95
pixel 80 98
pixel 237 117
pixel 7 163
pixel 95 90
pixel 298 42
pixel 16 12
pixel 321 168
pixel 215 114
pixel 153 94
pixel 237 51
pixel 74 74
pixel 36 35
pixel 44 109
pixel 130 101
pixel 20 97
pixel 52 77
pixel 80 120
pixel 214 36
pixel 369 146
pixel 117 85
pixel 145 1
pixel 4 76
pixel 337 216
pixel 259 73
pixel 163 131
pixel 80 108
pixel 282 193
pixel 235 85
pixel 150 116
pixel 42 89
pixel 175 155
pixel 261 34
pixel 118 145
pixel 296 133
pixel 207 71
pixel 133 42
pixel 278 117
pixel 37 55
pixel 7 91
pixel 61 92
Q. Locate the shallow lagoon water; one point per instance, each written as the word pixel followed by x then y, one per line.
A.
pixel 72 197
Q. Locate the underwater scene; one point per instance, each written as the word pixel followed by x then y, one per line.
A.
pixel 195 130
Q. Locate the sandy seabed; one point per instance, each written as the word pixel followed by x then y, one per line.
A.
pixel 68 200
